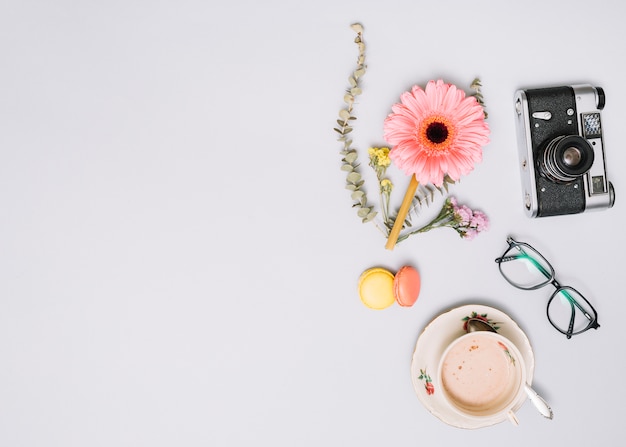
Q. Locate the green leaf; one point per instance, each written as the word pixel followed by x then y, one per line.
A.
pixel 431 190
pixel 370 217
pixel 363 212
pixel 357 195
pixel 351 157
pixel 344 114
pixel 351 187
pixel 356 91
pixel 354 177
pixel 357 27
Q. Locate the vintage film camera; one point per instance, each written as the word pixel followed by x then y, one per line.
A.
pixel 561 150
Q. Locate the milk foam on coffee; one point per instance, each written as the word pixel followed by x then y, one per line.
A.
pixel 479 374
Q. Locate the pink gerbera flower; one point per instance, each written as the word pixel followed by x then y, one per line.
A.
pixel 436 131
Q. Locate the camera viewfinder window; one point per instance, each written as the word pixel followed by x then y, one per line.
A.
pixel 591 125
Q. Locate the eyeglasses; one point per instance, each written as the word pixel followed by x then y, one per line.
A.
pixel 525 268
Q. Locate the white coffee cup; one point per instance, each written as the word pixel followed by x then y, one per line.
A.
pixel 482 375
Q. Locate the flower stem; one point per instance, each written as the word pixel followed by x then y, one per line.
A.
pixel 402 212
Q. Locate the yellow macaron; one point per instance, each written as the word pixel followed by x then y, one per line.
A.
pixel 376 288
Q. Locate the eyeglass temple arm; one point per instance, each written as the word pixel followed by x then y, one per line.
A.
pixel 524 255
pixel 572 318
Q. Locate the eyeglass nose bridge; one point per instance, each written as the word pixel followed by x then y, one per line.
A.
pixel 555 283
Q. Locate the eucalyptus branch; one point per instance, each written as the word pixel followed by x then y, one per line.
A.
pixel 354 181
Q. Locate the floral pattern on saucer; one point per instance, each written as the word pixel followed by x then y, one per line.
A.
pixel 437 336
pixel 483 317
pixel 428 382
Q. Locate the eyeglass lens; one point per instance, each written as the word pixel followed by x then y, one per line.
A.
pixel 525 268
pixel 569 311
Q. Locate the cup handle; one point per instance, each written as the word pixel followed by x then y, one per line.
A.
pixel 512 418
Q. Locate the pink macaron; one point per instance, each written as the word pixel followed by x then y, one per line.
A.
pixel 406 286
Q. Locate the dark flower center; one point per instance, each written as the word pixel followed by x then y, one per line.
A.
pixel 437 132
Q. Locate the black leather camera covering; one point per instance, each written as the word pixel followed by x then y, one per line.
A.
pixel 554 198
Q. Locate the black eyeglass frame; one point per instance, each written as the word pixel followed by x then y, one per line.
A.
pixel 550 279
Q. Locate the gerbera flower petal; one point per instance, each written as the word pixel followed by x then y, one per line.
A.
pixel 452 100
pixel 436 131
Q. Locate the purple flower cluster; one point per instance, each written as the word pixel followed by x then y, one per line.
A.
pixel 461 218
pixel 468 223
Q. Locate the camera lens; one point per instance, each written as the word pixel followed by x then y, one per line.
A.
pixel 566 158
pixel 572 156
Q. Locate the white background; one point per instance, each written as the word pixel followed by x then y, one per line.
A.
pixel 178 254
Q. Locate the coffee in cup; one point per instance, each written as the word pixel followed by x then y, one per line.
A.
pixel 482 374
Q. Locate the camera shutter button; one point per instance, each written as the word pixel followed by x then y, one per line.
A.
pixel 542 115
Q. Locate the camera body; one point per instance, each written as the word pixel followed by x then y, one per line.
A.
pixel 561 150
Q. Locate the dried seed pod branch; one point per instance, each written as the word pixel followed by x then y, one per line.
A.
pixel 478 94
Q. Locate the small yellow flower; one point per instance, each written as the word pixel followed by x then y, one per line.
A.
pixel 379 157
pixel 383 156
pixel 386 185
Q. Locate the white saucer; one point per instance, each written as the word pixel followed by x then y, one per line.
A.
pixel 431 344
